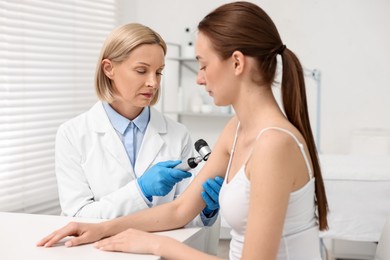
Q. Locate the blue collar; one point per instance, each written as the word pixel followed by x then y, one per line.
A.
pixel 120 123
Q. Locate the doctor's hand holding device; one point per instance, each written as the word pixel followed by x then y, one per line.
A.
pixel 160 179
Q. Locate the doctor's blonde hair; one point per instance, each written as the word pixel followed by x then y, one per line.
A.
pixel 117 48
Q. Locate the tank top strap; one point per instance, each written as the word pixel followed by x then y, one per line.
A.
pixel 235 139
pixel 232 151
pixel 300 145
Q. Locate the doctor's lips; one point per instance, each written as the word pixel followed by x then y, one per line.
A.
pixel 148 95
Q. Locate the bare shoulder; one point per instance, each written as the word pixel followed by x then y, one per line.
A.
pixel 277 152
pixel 276 140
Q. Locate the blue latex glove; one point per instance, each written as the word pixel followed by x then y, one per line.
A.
pixel 210 194
pixel 160 179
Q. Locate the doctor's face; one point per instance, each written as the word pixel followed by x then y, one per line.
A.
pixel 137 79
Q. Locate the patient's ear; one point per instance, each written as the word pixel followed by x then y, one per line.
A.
pixel 238 61
pixel 108 68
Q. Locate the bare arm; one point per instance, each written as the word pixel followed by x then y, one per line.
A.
pixel 168 216
pixel 272 169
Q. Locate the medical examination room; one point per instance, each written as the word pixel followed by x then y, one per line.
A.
pixel 183 129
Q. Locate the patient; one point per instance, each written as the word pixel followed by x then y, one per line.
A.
pixel 273 195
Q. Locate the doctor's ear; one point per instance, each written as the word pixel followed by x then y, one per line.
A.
pixel 108 68
pixel 238 61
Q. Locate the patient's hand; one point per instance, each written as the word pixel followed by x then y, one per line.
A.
pixel 83 233
pixel 131 241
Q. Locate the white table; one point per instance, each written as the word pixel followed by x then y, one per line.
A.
pixel 19 234
pixel 358 192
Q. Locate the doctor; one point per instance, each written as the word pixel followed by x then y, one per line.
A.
pixel 119 157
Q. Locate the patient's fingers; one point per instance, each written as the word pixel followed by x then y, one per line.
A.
pixel 44 240
pixel 68 230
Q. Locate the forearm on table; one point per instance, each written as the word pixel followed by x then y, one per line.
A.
pixel 171 215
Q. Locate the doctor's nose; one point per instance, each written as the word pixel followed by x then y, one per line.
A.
pixel 153 82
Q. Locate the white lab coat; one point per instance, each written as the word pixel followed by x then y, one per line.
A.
pixel 94 174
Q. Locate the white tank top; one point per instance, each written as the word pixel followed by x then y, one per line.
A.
pixel 300 239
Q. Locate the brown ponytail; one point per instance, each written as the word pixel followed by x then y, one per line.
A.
pixel 295 107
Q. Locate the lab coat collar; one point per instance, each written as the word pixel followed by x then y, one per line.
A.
pixel 121 123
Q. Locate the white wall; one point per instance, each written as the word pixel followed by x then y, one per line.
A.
pixel 346 40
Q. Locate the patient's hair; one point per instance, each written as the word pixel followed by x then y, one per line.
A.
pixel 245 27
pixel 117 48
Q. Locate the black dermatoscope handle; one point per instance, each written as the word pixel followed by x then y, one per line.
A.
pixel 191 163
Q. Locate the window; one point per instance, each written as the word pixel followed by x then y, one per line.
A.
pixel 48 53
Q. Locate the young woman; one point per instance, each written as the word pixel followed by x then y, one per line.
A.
pixel 273 195
pixel 118 157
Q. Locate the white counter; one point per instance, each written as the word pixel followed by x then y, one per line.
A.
pixel 19 234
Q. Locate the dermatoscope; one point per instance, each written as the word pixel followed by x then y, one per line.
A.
pixel 204 152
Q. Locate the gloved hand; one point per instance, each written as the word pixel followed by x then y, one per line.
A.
pixel 210 194
pixel 160 179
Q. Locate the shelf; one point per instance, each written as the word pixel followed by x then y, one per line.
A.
pixel 183 62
